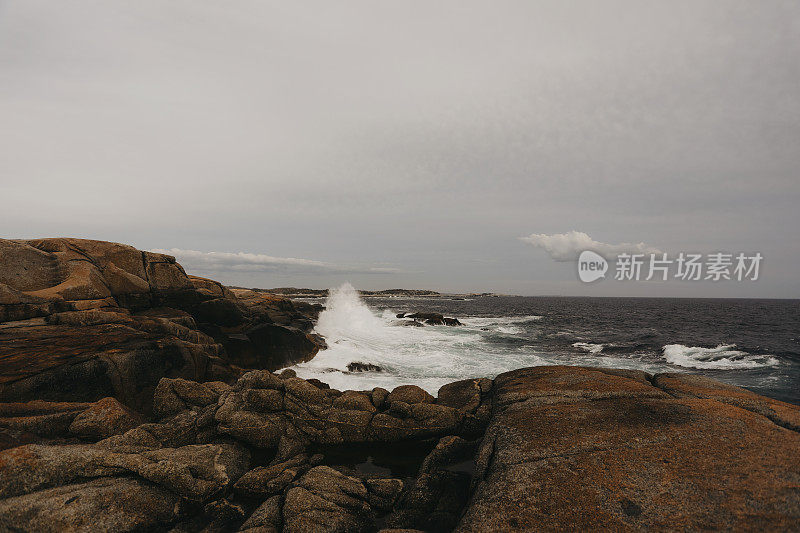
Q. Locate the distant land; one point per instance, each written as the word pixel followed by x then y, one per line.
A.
pixel 295 292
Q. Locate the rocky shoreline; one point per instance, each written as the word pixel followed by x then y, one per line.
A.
pixel 137 398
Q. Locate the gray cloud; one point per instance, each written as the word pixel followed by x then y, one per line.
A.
pixel 220 262
pixel 423 136
pixel 568 246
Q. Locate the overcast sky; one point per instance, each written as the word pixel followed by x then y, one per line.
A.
pixel 407 144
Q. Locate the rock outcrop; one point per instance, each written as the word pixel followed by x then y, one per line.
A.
pixel 81 320
pixel 595 449
pixel 127 405
pixel 546 448
pixel 224 456
pixel 432 319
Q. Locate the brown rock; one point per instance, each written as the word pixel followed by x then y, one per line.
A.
pixel 409 394
pixel 326 500
pixel 355 401
pixel 266 518
pixel 383 493
pixel 105 418
pixel 223 515
pixel 83 282
pixel 641 460
pixel 269 480
pixel 694 386
pixel 164 274
pixel 433 503
pixel 379 396
pixel 196 472
pixel 174 395
pixel 463 395
pixel 59 362
pixel 91 317
pixel 16 305
pixel 120 281
pixel 38 420
pixel 101 253
pixel 278 347
pixel 215 288
pixel 106 504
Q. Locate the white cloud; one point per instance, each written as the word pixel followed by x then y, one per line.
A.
pixel 194 260
pixel 567 246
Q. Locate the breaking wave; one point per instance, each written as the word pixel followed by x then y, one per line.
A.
pixel 589 347
pixel 723 357
pixel 392 352
pixel 427 356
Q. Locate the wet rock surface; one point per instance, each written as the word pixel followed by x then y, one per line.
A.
pixel 431 319
pixel 358 366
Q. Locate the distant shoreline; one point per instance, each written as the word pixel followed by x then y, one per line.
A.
pixel 295 292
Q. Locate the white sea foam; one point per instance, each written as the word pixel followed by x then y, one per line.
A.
pixel 431 356
pixel 723 357
pixel 483 321
pixel 509 330
pixel 589 347
pixel 427 356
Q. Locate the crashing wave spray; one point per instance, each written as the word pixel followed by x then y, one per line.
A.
pixel 346 315
pixel 429 356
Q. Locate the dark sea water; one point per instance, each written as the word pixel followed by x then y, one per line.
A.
pixel 749 343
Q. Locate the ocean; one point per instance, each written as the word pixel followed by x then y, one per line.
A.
pixel 749 343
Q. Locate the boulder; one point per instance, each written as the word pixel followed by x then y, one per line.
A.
pixel 105 504
pixel 278 346
pixel 642 458
pixel 223 515
pixel 352 400
pixel 175 395
pixel 432 319
pixel 466 395
pixel 60 362
pixel 379 396
pixel 267 517
pixel 471 397
pixel 122 282
pixel 224 312
pixel 35 421
pixel 195 472
pixel 326 500
pixel 103 419
pixel 358 366
pixel 266 481
pixel 409 394
pixel 164 274
pixel 449 450
pixel 433 503
pixel 215 289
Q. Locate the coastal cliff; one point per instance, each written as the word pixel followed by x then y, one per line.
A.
pixel 137 398
pixel 81 320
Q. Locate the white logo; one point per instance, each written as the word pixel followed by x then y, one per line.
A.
pixel 591 266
